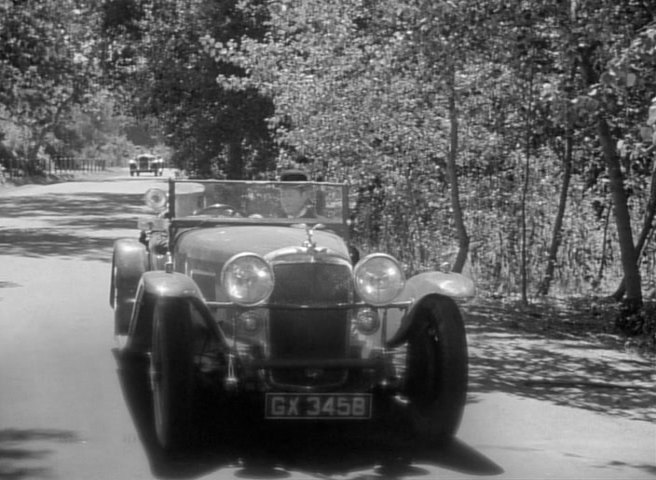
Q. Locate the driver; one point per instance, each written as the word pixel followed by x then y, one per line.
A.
pixel 295 198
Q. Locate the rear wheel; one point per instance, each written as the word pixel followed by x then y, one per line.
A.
pixel 436 380
pixel 172 375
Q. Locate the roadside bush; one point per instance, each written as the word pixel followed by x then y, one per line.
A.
pixel 639 326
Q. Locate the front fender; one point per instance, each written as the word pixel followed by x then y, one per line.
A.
pixel 153 286
pixel 129 262
pixel 162 284
pixel 452 285
pixel 448 286
pixel 442 307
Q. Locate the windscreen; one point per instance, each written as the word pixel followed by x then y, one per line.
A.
pixel 261 200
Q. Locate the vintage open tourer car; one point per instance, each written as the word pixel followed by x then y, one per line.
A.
pixel 146 163
pixel 225 296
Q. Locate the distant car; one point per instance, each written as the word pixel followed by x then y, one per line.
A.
pixel 146 163
pixel 227 299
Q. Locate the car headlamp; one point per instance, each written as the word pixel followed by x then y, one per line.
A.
pixel 155 198
pixel 247 279
pixel 378 279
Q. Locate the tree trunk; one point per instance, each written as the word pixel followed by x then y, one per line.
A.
pixel 33 167
pixel 556 235
pixel 633 297
pixel 647 228
pixel 604 247
pixel 235 160
pixel 461 230
pixel 525 185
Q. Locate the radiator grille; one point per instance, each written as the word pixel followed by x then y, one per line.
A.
pixel 309 334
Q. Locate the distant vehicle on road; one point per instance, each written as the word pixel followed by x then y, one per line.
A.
pixel 146 163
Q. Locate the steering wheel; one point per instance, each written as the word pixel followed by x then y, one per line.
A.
pixel 219 210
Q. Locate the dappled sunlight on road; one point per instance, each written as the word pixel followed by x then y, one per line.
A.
pixel 68 225
pixel 578 372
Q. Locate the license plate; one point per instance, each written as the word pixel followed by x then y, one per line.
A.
pixel 320 406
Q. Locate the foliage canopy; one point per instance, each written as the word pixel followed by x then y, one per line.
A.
pixel 513 132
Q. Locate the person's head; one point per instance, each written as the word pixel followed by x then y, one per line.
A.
pixel 294 197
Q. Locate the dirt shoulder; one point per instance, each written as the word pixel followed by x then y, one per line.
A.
pixel 567 353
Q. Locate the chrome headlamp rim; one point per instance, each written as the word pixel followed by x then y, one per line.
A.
pixel 242 291
pixel 376 296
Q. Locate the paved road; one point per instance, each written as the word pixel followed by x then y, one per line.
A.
pixel 68 410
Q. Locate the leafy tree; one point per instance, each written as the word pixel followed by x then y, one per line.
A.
pixel 153 51
pixel 46 64
pixel 347 96
pixel 605 30
pixel 509 132
pixel 573 47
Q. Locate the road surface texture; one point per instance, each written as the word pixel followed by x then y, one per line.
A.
pixel 540 406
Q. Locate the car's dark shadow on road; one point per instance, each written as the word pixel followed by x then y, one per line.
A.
pixel 22 450
pixel 558 355
pixel 67 225
pixel 257 451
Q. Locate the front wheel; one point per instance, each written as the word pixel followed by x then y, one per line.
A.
pixel 436 379
pixel 122 310
pixel 172 374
